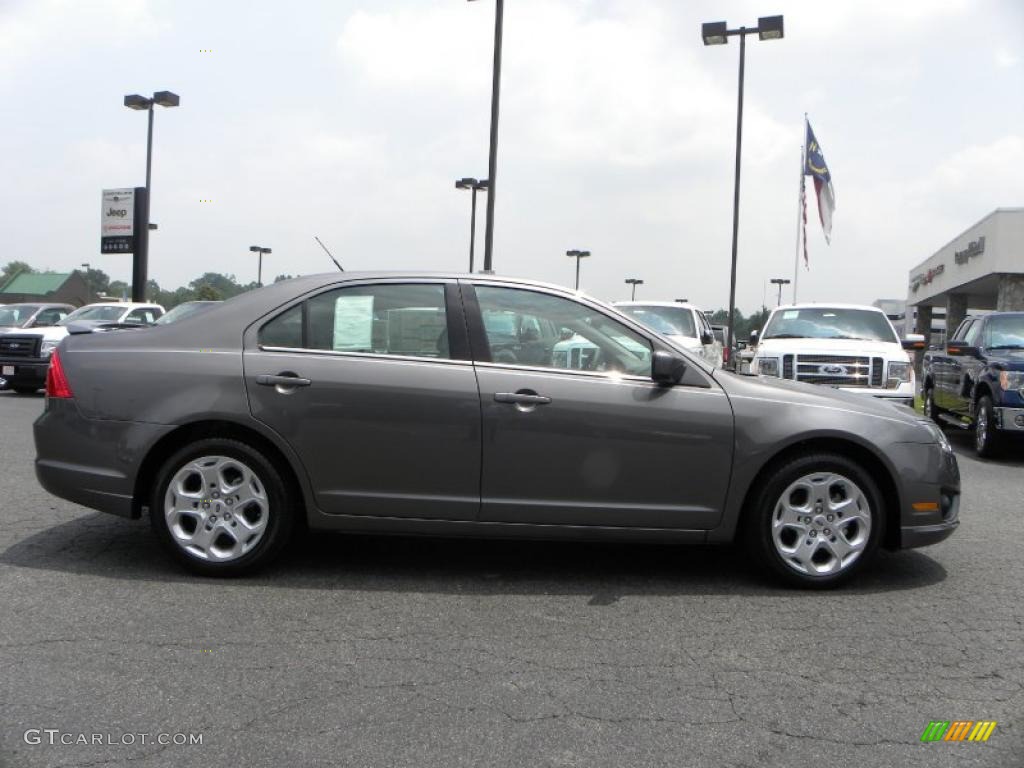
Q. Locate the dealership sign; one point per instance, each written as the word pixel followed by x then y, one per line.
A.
pixel 924 278
pixel 974 248
pixel 117 221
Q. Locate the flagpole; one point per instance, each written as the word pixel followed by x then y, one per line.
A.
pixel 799 208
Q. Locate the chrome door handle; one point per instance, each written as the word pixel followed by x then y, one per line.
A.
pixel 282 381
pixel 521 398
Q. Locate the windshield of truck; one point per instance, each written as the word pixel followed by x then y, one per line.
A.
pixel 16 315
pixel 671 321
pixel 101 314
pixel 830 323
pixel 1004 332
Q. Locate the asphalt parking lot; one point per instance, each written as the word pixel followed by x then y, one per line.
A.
pixel 405 652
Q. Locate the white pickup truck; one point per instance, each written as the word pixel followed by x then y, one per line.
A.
pixel 847 346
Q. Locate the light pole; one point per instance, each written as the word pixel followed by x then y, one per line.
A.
pixel 633 282
pixel 577 255
pixel 492 159
pixel 261 251
pixel 140 265
pixel 779 281
pixel 88 285
pixel 475 185
pixel 717 33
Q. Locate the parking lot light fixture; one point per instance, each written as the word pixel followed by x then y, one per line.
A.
pixel 575 254
pixel 634 282
pixel 475 185
pixel 261 251
pixel 140 262
pixel 718 33
pixel 779 281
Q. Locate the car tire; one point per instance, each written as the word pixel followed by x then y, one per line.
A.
pixel 931 410
pixel 25 390
pixel 987 440
pixel 816 521
pixel 221 508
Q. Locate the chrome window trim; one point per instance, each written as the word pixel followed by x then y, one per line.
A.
pixel 365 355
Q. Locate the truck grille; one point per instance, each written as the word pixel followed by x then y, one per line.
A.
pixel 19 346
pixel 838 370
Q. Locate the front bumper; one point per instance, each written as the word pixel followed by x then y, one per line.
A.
pixel 929 493
pixel 22 372
pixel 1009 419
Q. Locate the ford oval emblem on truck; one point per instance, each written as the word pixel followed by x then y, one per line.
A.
pixel 832 370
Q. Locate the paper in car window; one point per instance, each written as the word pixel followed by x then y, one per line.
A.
pixel 353 323
pixel 791 314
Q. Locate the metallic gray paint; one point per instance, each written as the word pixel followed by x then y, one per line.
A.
pixel 393 444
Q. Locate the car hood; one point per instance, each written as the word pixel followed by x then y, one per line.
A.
pixel 800 393
pixel 1010 359
pixel 50 333
pixel 860 347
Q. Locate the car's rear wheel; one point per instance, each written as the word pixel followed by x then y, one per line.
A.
pixel 221 508
pixel 930 409
pixel 816 521
pixel 986 437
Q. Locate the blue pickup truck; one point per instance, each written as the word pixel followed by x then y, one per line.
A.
pixel 977 381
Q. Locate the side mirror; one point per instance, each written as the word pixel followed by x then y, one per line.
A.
pixel 914 341
pixel 753 337
pixel 962 349
pixel 667 368
pixel 707 338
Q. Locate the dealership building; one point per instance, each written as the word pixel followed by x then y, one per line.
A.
pixel 980 269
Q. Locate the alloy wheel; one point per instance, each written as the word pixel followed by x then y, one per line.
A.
pixel 216 508
pixel 821 524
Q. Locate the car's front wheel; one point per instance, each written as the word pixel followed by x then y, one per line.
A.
pixel 816 521
pixel 986 436
pixel 221 508
pixel 930 409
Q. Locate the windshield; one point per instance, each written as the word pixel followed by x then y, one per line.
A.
pixel 15 315
pixel 102 314
pixel 830 323
pixel 184 310
pixel 670 321
pixel 1005 332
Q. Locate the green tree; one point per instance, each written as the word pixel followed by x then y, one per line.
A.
pixel 207 292
pixel 119 289
pixel 14 268
pixel 279 278
pixel 97 280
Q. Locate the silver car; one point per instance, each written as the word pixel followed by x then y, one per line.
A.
pixel 445 405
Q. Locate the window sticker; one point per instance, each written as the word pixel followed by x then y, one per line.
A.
pixel 791 314
pixel 353 323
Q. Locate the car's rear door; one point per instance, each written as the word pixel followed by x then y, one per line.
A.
pixel 585 437
pixel 372 385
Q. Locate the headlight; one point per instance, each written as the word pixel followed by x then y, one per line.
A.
pixel 1011 380
pixel 768 366
pixel 47 348
pixel 938 434
pixel 899 373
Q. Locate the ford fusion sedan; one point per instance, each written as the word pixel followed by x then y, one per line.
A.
pixel 444 405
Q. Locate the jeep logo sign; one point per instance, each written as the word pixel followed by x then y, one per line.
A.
pixel 117 221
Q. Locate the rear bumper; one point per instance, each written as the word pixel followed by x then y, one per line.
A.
pixel 91 462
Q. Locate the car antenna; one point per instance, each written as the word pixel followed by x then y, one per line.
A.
pixel 340 268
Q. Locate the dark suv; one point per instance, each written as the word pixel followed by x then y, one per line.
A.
pixel 977 381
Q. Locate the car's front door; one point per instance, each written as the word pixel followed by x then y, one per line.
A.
pixel 372 386
pixel 583 436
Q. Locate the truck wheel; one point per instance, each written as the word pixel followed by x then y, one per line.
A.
pixel 986 437
pixel 816 520
pixel 221 508
pixel 931 410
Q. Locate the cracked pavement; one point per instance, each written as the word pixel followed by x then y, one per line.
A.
pixel 395 652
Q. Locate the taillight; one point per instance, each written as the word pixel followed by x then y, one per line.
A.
pixel 56 382
pixel 725 355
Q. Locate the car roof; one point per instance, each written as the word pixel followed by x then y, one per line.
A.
pixel 684 304
pixel 826 305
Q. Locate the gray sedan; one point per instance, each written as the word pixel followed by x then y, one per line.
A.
pixel 474 406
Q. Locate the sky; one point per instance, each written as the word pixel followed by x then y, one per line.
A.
pixel 351 119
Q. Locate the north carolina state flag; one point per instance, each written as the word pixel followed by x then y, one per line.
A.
pixel 816 168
